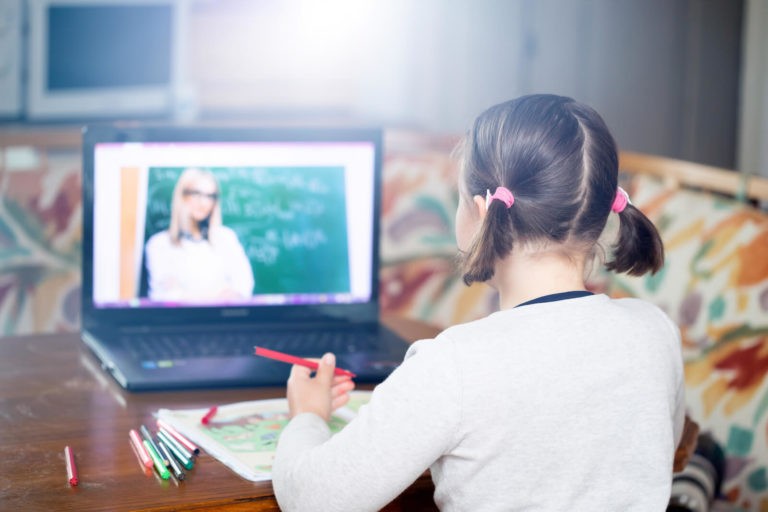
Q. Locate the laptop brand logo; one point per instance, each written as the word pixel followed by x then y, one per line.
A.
pixel 234 313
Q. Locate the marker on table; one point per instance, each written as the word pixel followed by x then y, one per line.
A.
pixel 71 468
pixel 143 454
pixel 180 438
pixel 209 415
pixel 148 437
pixel 287 358
pixel 158 461
pixel 178 451
pixel 177 472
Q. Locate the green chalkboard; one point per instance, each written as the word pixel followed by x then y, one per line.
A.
pixel 291 222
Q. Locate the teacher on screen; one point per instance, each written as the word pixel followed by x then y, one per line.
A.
pixel 197 259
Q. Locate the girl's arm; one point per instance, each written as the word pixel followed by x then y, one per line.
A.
pixel 411 420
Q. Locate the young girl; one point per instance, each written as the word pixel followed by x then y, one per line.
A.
pixel 562 400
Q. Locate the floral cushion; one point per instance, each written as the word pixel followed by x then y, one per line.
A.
pixel 40 243
pixel 419 277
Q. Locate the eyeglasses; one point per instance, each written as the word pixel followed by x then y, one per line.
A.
pixel 199 194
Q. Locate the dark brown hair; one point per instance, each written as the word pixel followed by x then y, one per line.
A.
pixel 560 161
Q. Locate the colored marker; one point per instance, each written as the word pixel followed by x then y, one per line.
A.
pixel 209 415
pixel 287 358
pixel 172 441
pixel 176 449
pixel 180 438
pixel 177 472
pixel 159 464
pixel 71 468
pixel 151 441
pixel 143 455
pixel 146 470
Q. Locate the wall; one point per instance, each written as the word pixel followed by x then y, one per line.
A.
pixel 665 75
pixel 753 151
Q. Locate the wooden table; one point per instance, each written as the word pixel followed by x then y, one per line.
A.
pixel 53 393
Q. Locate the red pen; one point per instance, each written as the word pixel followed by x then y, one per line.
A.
pixel 287 358
pixel 71 468
pixel 209 415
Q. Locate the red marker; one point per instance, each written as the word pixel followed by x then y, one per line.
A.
pixel 209 415
pixel 71 468
pixel 287 358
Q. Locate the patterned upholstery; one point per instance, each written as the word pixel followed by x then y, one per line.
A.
pixel 40 240
pixel 418 247
pixel 714 284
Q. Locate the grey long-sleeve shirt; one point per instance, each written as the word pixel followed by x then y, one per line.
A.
pixel 569 405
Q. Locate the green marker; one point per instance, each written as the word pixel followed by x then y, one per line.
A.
pixel 179 452
pixel 159 466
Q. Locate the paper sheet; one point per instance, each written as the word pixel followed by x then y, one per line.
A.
pixel 243 435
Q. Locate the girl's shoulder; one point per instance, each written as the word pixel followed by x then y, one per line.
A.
pixel 646 311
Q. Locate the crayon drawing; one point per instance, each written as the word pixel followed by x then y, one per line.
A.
pixel 244 435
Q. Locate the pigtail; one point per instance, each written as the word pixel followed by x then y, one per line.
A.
pixel 639 248
pixel 491 244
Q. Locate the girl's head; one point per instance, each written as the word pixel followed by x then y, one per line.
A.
pixel 560 163
pixel 195 204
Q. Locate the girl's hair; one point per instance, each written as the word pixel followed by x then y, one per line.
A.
pixel 560 162
pixel 181 220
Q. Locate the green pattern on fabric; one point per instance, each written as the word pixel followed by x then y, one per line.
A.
pixel 653 281
pixel 717 308
pixel 739 441
pixel 757 480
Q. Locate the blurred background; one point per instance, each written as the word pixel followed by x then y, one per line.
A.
pixel 680 78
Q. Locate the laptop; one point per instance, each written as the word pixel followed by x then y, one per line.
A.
pixel 200 243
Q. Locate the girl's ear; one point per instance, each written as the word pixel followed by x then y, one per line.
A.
pixel 480 206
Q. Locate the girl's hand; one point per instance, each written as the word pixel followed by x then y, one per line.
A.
pixel 321 394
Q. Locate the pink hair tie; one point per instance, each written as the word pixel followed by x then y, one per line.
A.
pixel 502 194
pixel 620 201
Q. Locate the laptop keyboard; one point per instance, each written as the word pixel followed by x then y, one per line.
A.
pixel 156 347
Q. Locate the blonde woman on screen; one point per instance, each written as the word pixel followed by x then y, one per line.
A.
pixel 197 259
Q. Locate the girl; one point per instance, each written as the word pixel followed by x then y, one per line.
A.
pixel 562 400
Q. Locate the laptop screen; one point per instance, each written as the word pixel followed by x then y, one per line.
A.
pixel 271 218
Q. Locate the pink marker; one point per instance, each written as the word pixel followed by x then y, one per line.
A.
pixel 180 438
pixel 139 446
pixel 287 358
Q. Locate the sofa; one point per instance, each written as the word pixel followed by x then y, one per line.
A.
pixel 714 283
